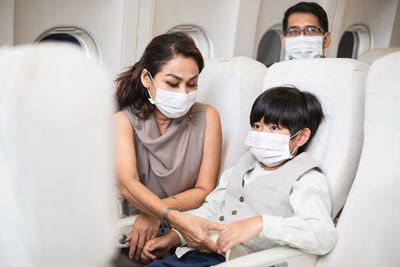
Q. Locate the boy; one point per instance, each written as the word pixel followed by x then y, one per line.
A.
pixel 275 195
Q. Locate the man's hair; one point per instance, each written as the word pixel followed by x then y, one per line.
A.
pixel 290 108
pixel 306 7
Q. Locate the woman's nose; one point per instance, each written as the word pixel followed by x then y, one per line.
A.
pixel 184 89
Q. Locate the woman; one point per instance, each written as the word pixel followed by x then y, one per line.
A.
pixel 168 145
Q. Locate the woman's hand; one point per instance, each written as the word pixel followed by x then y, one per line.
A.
pixel 238 232
pixel 144 228
pixel 194 229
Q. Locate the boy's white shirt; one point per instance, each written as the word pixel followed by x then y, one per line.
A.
pixel 310 229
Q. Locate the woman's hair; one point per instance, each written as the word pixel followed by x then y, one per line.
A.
pixel 130 91
pixel 288 107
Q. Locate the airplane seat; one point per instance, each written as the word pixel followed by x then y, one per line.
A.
pixel 57 193
pixel 231 85
pixel 368 230
pixel 339 85
pixel 373 54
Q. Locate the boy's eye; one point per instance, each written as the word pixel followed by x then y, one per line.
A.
pixel 256 126
pixel 274 127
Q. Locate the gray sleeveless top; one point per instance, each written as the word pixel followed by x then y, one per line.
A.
pixel 269 194
pixel 168 164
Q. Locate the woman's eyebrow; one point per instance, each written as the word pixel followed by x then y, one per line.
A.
pixel 179 78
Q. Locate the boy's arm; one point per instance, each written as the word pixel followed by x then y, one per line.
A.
pixel 311 228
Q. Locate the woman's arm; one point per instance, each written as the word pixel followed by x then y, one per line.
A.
pixel 130 186
pixel 208 173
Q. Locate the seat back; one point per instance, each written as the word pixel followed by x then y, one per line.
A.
pixel 339 85
pixel 57 201
pixel 231 85
pixel 373 54
pixel 368 229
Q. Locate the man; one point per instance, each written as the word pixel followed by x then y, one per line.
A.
pixel 305 31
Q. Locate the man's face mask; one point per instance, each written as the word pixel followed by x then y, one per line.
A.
pixel 304 46
pixel 172 104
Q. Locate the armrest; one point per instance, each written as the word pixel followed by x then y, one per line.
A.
pixel 292 257
pixel 124 227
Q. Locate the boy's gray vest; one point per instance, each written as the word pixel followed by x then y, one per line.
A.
pixel 267 195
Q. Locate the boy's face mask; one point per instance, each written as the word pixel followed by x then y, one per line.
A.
pixel 304 46
pixel 271 149
pixel 172 104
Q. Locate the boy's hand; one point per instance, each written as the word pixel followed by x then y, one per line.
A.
pixel 238 232
pixel 158 246
pixel 194 229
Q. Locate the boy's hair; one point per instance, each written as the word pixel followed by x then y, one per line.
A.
pixel 306 7
pixel 290 108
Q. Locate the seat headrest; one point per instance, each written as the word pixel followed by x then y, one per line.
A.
pixel 373 54
pixel 339 85
pixel 231 85
pixel 57 194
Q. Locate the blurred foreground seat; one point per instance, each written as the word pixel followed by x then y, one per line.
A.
pixel 368 228
pixel 57 193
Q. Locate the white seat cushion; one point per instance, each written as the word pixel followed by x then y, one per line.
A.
pixel 368 229
pixel 57 201
pixel 231 85
pixel 339 85
pixel 371 55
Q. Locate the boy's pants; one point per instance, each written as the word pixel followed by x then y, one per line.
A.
pixel 191 258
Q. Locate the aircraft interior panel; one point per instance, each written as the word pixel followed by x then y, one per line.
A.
pixel 219 23
pixel 395 38
pixel 6 22
pixel 378 18
pixel 101 20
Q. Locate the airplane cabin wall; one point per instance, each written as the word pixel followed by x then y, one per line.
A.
pixel 378 16
pixel 102 19
pixel 246 28
pixel 6 22
pixel 217 18
pixel 123 28
pixel 395 40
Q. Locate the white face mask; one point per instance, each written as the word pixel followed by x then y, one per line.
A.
pixel 271 149
pixel 304 46
pixel 172 104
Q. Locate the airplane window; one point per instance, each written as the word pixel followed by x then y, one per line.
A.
pixel 355 41
pixel 270 48
pixel 200 37
pixel 73 36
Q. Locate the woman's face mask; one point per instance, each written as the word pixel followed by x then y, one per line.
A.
pixel 271 149
pixel 172 104
pixel 304 46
